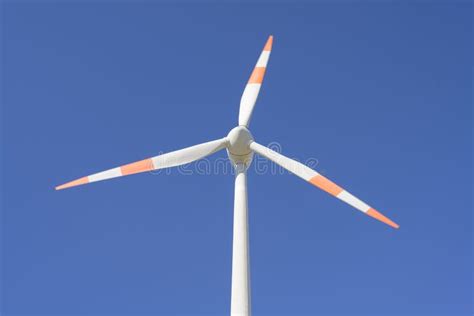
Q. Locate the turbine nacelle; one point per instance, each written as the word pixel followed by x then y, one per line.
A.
pixel 238 146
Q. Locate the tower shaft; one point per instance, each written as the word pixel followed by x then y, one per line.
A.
pixel 240 297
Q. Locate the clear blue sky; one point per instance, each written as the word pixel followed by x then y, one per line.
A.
pixel 380 94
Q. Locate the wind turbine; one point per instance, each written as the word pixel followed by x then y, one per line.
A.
pixel 240 147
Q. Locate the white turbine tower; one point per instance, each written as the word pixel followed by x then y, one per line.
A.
pixel 240 147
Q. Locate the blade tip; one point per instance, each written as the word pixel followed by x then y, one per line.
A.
pixel 379 216
pixel 269 44
pixel 74 183
pixel 61 187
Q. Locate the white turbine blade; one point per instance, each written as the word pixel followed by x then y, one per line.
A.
pixel 320 181
pixel 240 297
pixel 250 95
pixel 172 159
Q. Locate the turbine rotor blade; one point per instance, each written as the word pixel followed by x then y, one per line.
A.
pixel 252 89
pixel 320 181
pixel 171 159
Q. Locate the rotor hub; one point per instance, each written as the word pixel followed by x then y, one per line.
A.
pixel 238 149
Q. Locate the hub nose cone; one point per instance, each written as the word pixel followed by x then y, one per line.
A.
pixel 239 140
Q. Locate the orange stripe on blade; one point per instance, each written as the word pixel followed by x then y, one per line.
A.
pixel 382 218
pixel 257 75
pixel 268 45
pixel 80 181
pixel 136 167
pixel 325 184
